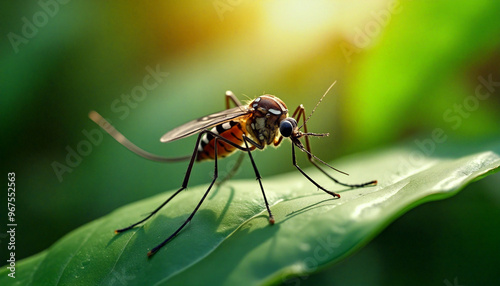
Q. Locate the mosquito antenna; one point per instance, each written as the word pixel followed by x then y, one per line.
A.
pixel 323 162
pixel 104 124
pixel 248 99
pixel 317 104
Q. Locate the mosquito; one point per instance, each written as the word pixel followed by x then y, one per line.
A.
pixel 263 121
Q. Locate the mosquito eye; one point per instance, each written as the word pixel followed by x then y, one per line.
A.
pixel 286 128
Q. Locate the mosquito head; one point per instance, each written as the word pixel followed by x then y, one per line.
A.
pixel 267 113
pixel 288 126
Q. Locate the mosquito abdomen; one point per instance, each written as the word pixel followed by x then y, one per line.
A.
pixel 230 130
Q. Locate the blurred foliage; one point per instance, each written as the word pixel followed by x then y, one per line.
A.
pixel 403 68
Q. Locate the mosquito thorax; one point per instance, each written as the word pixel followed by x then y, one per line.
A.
pixel 267 113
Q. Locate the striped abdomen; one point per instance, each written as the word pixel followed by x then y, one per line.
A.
pixel 230 130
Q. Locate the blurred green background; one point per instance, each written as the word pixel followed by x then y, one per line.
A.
pixel 403 69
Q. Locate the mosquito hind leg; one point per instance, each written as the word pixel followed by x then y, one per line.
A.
pixel 120 138
pixel 184 186
pixel 151 214
pixel 231 97
pixel 216 174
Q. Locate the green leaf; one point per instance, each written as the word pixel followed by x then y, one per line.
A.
pixel 230 241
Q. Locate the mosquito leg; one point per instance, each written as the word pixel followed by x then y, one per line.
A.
pixel 371 183
pixel 258 177
pixel 231 97
pixel 184 185
pixel 300 112
pixel 294 161
pixel 216 173
pixel 151 214
pixel 120 138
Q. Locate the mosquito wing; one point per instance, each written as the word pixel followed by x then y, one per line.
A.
pixel 202 123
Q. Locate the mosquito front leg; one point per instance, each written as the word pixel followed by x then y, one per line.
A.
pixel 294 162
pixel 300 113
